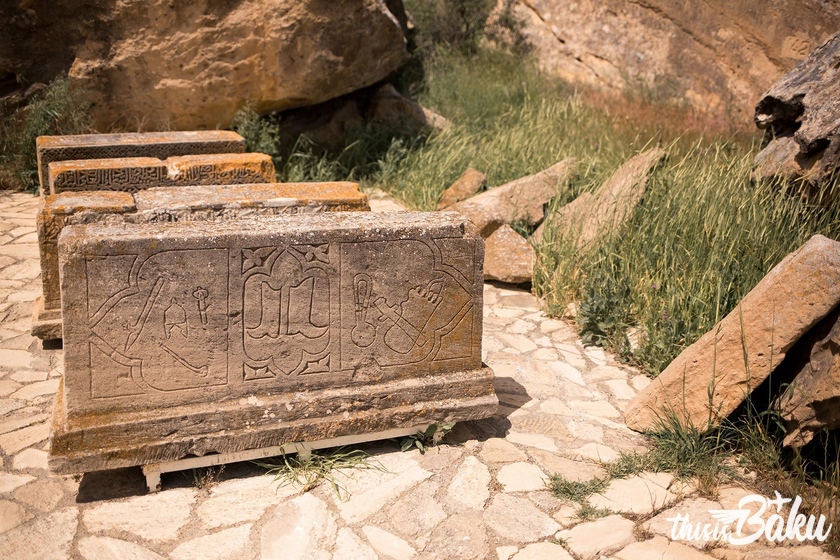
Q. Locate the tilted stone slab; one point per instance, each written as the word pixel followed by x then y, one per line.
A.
pixel 161 145
pixel 198 337
pixel 170 204
pixel 732 359
pixel 136 174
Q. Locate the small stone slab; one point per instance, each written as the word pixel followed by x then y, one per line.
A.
pixel 197 337
pixel 159 145
pixel 640 494
pixel 792 298
pixel 170 204
pixel 597 539
pixel 137 174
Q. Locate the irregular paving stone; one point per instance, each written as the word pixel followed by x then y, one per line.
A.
pixel 517 519
pixel 348 546
pixel 28 392
pixel 156 517
pixel 532 440
pixel 521 477
pixel 620 389
pixel 599 538
pixel 388 544
pixel 300 528
pixel 417 512
pixel 595 408
pixel 508 256
pixel 464 186
pixel 785 304
pixel 30 459
pixel 697 510
pixel 13 442
pixel 22 419
pixel 543 551
pixel 44 538
pixel 29 376
pixel 235 501
pixel 228 544
pixel 43 494
pixel 15 359
pixel 640 494
pixel 371 490
pixel 12 515
pixel 459 536
pixel 518 342
pixel 107 548
pixel 428 263
pixel 594 452
pixel 505 552
pixel 575 471
pixel 661 549
pixel 469 487
pixel 498 450
pixel 9 482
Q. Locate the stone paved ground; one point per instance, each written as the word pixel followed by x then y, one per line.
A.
pixel 482 497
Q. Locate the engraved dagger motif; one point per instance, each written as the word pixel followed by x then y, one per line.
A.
pixel 201 295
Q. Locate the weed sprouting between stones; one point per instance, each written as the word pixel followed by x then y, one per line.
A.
pixel 328 465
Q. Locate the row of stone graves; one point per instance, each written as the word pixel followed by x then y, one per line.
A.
pixel 209 314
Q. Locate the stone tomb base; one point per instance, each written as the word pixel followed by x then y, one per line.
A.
pixel 193 338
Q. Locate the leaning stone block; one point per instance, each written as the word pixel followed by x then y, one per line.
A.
pixel 170 204
pixel 136 174
pixel 195 337
pixel 159 145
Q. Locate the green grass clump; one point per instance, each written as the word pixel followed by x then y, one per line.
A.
pixel 575 490
pixel 328 466
pixel 57 109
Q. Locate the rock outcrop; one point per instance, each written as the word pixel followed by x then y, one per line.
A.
pixel 801 114
pixel 710 378
pixel 716 55
pixel 590 217
pixel 812 369
pixel 193 65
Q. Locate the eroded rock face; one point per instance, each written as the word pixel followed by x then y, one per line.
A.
pixel 193 65
pixel 714 55
pixel 710 378
pixel 800 113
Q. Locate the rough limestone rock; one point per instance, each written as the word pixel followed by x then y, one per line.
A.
pixel 812 402
pixel 716 55
pixel 389 105
pixel 194 64
pixel 508 257
pixel 464 187
pixel 590 217
pixel 522 199
pixel 801 114
pixel 794 296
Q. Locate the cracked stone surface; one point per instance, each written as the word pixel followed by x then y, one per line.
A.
pixel 481 496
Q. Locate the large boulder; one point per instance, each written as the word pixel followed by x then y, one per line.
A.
pixel 812 368
pixel 591 217
pixel 710 378
pixel 188 65
pixel 801 114
pixel 717 55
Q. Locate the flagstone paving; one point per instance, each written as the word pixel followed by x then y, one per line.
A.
pixel 483 495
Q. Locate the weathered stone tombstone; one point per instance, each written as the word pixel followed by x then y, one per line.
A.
pixel 168 204
pixel 196 338
pixel 161 145
pixel 139 173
